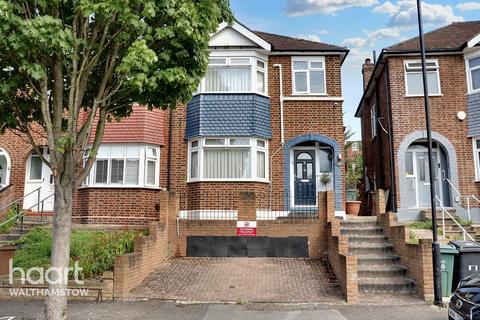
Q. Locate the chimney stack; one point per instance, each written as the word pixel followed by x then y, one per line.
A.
pixel 367 70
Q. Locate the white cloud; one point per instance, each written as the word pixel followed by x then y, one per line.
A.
pixel 309 7
pixel 404 13
pixel 355 42
pixel 467 6
pixel 310 37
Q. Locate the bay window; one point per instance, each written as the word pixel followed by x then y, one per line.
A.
pixel 308 75
pixel 414 78
pixel 473 66
pixel 125 166
pixel 235 74
pixel 235 158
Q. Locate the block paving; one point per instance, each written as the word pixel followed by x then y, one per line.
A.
pixel 282 280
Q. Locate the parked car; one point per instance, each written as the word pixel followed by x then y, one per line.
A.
pixel 465 301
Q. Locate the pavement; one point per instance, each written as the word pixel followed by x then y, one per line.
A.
pixel 163 310
pixel 241 280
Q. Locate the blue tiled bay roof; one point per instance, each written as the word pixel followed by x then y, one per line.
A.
pixel 244 115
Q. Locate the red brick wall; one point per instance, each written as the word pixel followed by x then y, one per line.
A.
pixel 121 206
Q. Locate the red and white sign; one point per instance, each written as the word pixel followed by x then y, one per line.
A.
pixel 246 228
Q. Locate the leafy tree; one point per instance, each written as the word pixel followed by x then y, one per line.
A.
pixel 67 64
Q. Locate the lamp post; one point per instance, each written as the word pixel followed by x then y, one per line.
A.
pixel 437 281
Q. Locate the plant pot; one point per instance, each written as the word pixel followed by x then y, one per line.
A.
pixel 353 207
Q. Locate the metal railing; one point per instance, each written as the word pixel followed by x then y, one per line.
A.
pixel 465 232
pixel 19 215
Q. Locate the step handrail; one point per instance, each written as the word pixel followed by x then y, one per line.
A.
pixel 465 233
pixel 20 214
pixel 19 199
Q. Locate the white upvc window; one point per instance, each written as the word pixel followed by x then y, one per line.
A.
pixel 476 156
pixel 373 121
pixel 414 78
pixel 308 76
pixel 235 74
pixel 228 159
pixel 473 74
pixel 120 165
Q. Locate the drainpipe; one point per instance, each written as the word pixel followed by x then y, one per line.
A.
pixel 393 195
pixel 169 165
pixel 282 136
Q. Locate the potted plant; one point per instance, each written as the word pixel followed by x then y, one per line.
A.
pixel 353 205
pixel 325 179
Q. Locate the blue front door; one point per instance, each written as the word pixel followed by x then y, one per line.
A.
pixel 304 170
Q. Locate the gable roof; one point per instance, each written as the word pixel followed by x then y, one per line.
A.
pixel 285 43
pixel 453 37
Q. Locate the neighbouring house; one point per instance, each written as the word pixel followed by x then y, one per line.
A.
pixel 393 122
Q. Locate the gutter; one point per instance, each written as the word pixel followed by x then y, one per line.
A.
pixel 169 166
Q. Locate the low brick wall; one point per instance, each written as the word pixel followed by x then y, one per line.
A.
pixel 90 290
pixel 344 264
pixel 417 258
pixel 131 269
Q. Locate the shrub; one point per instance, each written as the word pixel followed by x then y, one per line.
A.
pixel 427 224
pixel 7 226
pixel 95 251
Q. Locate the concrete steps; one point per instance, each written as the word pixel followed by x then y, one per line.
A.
pixel 29 222
pixel 379 269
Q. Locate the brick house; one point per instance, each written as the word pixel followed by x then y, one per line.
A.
pixel 393 121
pixel 266 118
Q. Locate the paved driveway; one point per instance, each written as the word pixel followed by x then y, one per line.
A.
pixel 241 280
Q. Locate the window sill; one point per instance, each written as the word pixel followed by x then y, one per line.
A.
pixel 232 93
pixel 421 95
pixel 473 92
pixel 119 187
pixel 229 180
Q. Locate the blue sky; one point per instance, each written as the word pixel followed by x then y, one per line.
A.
pixel 360 25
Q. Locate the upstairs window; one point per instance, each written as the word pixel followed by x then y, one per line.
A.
pixel 414 78
pixel 235 74
pixel 373 121
pixel 308 76
pixel 473 65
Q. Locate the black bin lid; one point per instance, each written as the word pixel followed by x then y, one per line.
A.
pixel 466 245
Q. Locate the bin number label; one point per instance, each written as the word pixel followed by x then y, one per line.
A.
pixel 473 268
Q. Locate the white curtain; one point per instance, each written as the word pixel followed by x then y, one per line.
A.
pixel 131 172
pixel 260 164
pixel 226 163
pixel 228 79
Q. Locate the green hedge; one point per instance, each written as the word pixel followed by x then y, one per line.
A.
pixel 95 251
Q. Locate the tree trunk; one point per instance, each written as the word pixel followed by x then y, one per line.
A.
pixel 56 302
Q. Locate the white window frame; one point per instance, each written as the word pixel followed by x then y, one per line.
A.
pixel 6 181
pixel 419 71
pixel 143 158
pixel 309 60
pixel 476 158
pixel 373 120
pixel 252 145
pixel 252 65
pixel 469 71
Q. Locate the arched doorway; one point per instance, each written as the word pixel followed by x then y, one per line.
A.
pixel 310 167
pixel 414 175
pixel 4 169
pixel 417 173
pixel 38 175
